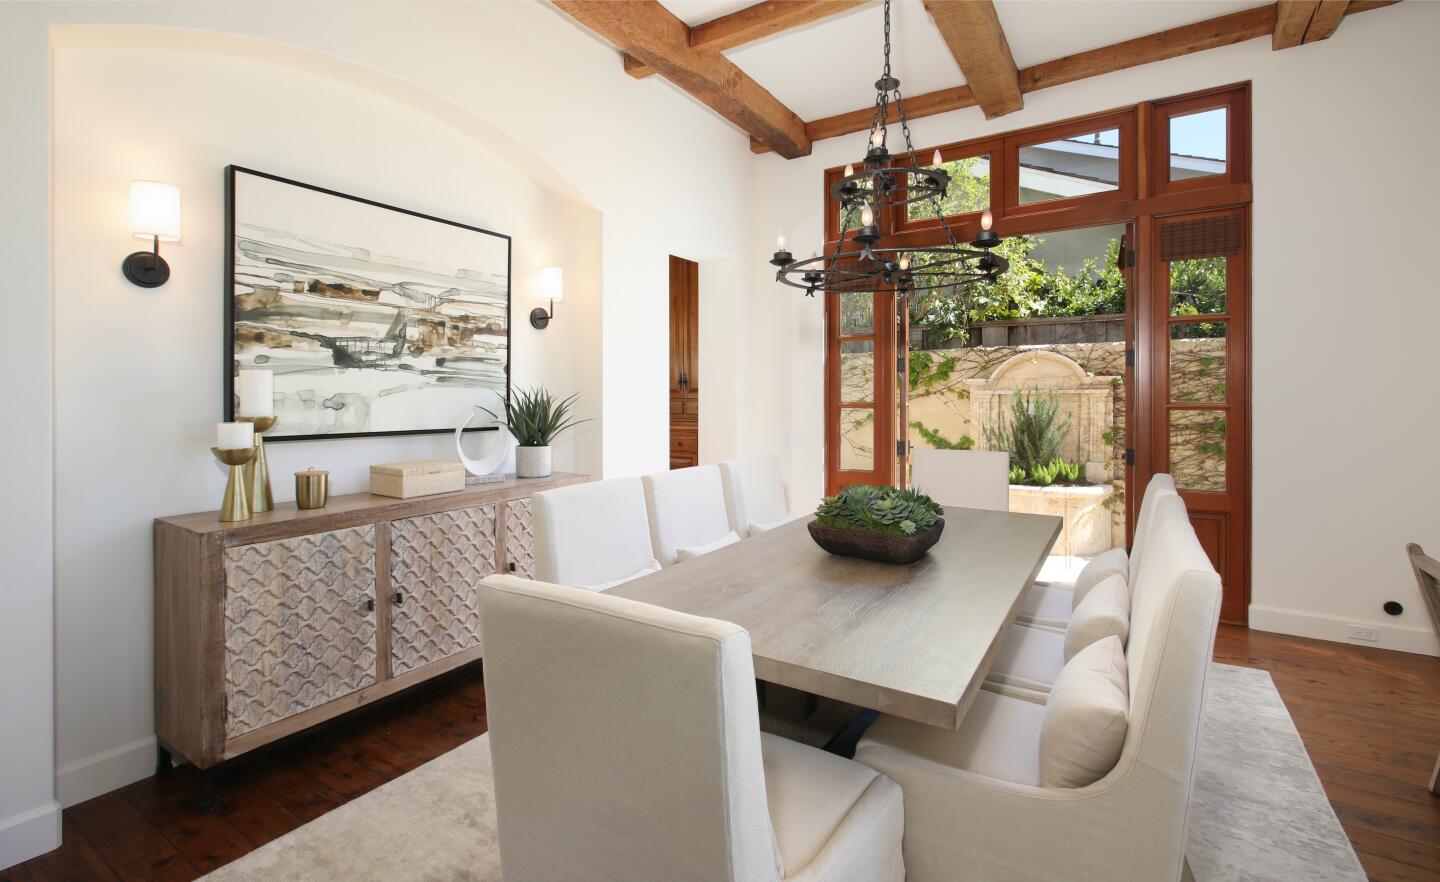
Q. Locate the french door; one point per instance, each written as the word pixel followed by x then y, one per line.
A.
pixel 1198 425
pixel 860 387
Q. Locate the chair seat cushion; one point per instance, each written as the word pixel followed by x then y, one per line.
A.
pixel 1101 566
pixel 1030 658
pixel 652 567
pixel 810 793
pixel 1086 717
pixel 1047 604
pixel 757 528
pixel 999 738
pixel 1104 612
pixel 684 554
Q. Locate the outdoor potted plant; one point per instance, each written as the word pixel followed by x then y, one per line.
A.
pixel 535 417
pixel 878 523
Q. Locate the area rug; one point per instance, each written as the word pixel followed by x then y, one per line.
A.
pixel 1258 813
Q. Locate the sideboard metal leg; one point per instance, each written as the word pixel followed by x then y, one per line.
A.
pixel 206 805
pixel 163 763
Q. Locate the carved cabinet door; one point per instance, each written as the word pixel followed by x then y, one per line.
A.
pixel 519 539
pixel 299 624
pixel 436 564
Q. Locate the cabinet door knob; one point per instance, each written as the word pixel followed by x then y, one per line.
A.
pixel 398 598
pixel 369 604
pixel 512 566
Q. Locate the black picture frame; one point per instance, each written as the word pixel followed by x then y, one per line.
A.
pixel 228 287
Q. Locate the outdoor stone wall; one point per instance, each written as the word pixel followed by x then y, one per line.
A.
pixel 956 393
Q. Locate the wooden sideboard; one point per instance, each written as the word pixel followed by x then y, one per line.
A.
pixel 266 627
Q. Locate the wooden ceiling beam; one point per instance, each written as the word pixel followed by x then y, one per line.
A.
pixel 1326 20
pixel 1292 17
pixel 972 31
pixel 1237 27
pixel 651 33
pixel 750 24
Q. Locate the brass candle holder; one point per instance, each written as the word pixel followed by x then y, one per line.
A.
pixel 257 470
pixel 236 506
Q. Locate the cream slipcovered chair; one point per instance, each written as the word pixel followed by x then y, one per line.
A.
pixel 626 747
pixel 687 513
pixel 963 478
pixel 593 535
pixel 1049 604
pixel 974 804
pixel 1031 658
pixel 755 494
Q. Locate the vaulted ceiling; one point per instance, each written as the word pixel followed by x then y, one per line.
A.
pixel 788 72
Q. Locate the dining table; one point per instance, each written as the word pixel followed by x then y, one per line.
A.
pixel 912 640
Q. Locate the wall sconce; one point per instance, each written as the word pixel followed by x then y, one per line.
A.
pixel 549 285
pixel 154 215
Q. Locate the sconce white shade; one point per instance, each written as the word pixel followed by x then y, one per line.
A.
pixel 550 283
pixel 155 210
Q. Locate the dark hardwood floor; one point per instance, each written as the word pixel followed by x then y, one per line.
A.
pixel 1369 717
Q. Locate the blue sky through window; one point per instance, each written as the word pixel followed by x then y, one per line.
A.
pixel 1199 134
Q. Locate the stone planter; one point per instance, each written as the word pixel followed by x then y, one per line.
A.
pixel 532 462
pixel 1087 527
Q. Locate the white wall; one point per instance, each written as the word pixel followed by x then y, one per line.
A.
pixel 29 815
pixel 1345 138
pixel 466 111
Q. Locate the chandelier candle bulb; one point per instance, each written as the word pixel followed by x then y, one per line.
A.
pixel 235 436
pixel 987 220
pixel 867 217
pixel 936 161
pixel 849 170
pixel 256 389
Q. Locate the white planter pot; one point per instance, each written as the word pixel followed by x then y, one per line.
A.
pixel 532 462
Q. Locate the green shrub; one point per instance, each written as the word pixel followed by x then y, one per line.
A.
pixel 1045 475
pixel 878 510
pixel 1017 475
pixel 1034 433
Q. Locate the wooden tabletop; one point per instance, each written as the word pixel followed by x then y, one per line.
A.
pixel 915 641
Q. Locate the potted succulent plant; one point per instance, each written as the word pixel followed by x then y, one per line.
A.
pixel 535 417
pixel 878 523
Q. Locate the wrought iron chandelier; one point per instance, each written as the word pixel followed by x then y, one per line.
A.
pixel 884 181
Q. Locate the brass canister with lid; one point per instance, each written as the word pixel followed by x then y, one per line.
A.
pixel 312 488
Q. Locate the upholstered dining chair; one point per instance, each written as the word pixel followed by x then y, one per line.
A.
pixel 978 804
pixel 963 478
pixel 687 513
pixel 1049 604
pixel 625 745
pixel 1427 574
pixel 594 535
pixel 755 494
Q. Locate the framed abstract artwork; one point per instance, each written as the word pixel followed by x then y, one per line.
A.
pixel 374 320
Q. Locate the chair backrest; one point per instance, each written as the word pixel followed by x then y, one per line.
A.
pixel 1172 637
pixel 687 509
pixel 963 478
pixel 625 739
pixel 1427 574
pixel 754 491
pixel 592 535
pixel 1160 485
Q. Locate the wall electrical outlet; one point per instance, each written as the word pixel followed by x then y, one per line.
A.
pixel 1361 632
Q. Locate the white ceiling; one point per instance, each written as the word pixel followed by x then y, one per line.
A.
pixel 830 66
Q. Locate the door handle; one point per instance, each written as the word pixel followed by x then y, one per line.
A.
pixel 369 604
pixel 398 598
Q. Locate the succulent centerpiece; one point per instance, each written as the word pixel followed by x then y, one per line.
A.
pixel 878 523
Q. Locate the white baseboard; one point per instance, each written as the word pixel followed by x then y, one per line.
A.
pixel 1322 627
pixel 88 778
pixel 28 834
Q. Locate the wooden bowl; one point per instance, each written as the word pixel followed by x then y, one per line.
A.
pixel 883 547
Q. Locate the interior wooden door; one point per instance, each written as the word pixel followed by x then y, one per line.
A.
pixel 684 363
pixel 861 373
pixel 1200 409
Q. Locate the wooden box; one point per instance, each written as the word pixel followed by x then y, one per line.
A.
pixel 406 480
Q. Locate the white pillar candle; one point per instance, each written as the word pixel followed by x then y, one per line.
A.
pixel 235 436
pixel 256 389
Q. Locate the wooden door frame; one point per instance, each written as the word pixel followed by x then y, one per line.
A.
pixel 884 383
